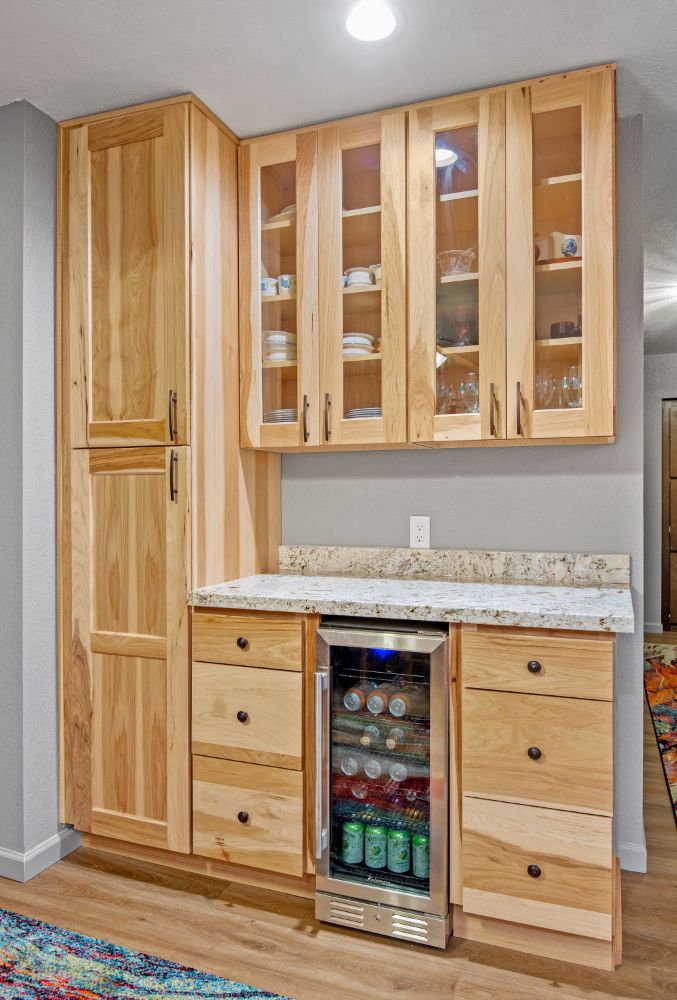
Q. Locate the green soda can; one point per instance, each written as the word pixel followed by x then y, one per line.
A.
pixel 399 851
pixel 421 855
pixel 375 846
pixel 352 847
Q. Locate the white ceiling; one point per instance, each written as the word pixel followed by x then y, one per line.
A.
pixel 263 65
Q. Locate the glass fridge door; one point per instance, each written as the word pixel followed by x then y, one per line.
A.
pixel 385 791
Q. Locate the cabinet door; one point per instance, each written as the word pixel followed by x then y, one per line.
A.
pixel 126 687
pixel 362 281
pixel 125 244
pixel 560 222
pixel 457 251
pixel 278 292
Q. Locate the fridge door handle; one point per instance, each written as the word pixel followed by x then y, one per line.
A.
pixel 320 838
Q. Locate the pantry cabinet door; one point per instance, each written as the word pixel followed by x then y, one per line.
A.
pixel 456 261
pixel 560 223
pixel 362 281
pixel 279 354
pixel 125 247
pixel 126 685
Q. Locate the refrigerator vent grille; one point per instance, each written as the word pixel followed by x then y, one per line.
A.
pixel 405 925
pixel 348 913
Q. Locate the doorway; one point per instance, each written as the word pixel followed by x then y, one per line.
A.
pixel 669 503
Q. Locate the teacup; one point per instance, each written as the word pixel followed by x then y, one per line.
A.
pixel 287 284
pixel 268 286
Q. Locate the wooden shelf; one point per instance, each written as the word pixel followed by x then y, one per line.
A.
pixel 268 227
pixel 356 213
pixel 460 195
pixel 562 179
pixel 278 298
pixel 560 342
pixel 560 277
pixel 559 265
pixel 362 289
pixel 450 352
pixel 364 358
pixel 449 279
pixel 286 369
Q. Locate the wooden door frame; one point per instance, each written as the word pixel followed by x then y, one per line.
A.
pixel 666 404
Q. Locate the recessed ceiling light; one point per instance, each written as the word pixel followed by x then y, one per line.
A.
pixel 371 20
pixel 445 157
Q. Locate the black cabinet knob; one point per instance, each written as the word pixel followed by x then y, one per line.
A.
pixel 242 642
pixel 244 817
pixel 534 871
pixel 534 667
pixel 242 716
pixel 534 753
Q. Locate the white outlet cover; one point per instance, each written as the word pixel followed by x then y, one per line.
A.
pixel 419 531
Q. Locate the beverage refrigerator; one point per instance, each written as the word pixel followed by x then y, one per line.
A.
pixel 381 778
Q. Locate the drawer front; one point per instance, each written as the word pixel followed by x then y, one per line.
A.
pixel 571 740
pixel 572 668
pixel 248 640
pixel 269 803
pixel 248 714
pixel 571 886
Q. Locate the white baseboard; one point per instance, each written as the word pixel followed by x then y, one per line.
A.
pixel 632 857
pixel 653 627
pixel 23 867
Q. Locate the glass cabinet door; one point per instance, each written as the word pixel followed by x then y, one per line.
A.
pixel 278 247
pixel 561 264
pixel 362 281
pixel 456 224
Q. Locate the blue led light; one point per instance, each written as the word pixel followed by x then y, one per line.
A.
pixel 382 654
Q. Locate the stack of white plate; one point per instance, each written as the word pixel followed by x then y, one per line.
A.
pixel 279 345
pixel 288 416
pixel 357 345
pixel 364 412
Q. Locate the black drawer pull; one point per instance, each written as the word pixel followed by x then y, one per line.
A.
pixel 534 753
pixel 242 642
pixel 242 716
pixel 534 871
pixel 244 817
pixel 534 667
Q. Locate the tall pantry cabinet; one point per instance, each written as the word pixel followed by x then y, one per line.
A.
pixel 155 495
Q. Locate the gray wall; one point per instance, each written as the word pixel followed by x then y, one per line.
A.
pixel 577 498
pixel 660 382
pixel 30 836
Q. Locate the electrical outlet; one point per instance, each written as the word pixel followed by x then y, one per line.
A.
pixel 419 531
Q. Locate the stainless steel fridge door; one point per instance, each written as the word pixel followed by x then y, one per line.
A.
pixel 435 644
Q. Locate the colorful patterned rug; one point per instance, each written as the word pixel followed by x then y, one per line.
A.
pixel 660 684
pixel 41 962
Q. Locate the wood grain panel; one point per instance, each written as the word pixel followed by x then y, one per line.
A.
pixel 142 126
pixel 572 668
pixel 272 836
pixel 76 332
pixel 307 316
pixel 574 853
pixel 129 644
pixel 273 700
pixel 574 736
pixel 274 641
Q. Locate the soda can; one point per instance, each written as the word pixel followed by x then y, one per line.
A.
pixel 421 855
pixel 375 846
pixel 399 851
pixel 352 847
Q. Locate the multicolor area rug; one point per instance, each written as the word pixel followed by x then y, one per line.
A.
pixel 660 684
pixel 41 962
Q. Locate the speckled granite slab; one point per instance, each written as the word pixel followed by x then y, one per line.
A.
pixel 570 569
pixel 607 609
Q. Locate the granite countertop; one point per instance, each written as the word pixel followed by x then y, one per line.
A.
pixel 602 607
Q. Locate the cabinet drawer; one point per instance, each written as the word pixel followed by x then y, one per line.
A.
pixel 572 668
pixel 248 815
pixel 571 887
pixel 248 640
pixel 571 739
pixel 248 714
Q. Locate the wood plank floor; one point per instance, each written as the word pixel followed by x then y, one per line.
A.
pixel 273 941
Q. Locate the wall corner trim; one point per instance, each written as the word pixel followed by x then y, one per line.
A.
pixel 633 857
pixel 23 867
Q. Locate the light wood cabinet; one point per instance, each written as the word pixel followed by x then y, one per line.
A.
pixel 314 205
pixel 127 686
pixel 492 316
pixel 148 346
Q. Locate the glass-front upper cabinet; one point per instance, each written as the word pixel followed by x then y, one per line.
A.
pixel 362 281
pixel 457 256
pixel 278 291
pixel 560 270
